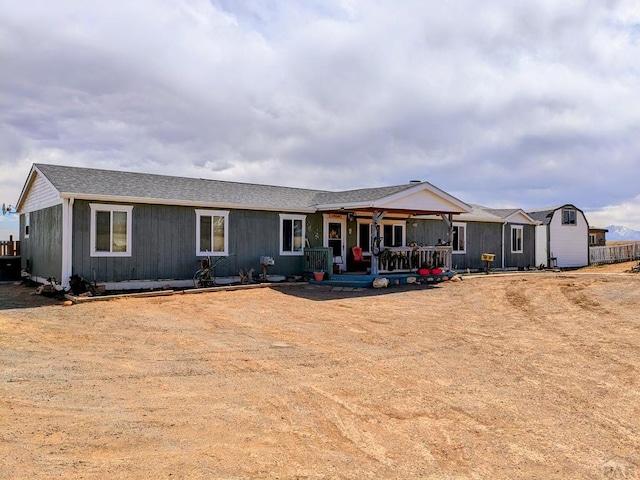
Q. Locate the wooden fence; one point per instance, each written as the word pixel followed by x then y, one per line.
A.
pixel 625 252
pixel 9 248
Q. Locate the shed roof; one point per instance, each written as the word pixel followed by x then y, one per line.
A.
pixel 545 214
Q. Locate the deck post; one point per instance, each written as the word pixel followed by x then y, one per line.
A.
pixel 375 240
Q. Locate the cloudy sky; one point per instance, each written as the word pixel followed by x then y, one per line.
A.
pixel 501 103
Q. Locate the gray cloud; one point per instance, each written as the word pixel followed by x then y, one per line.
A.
pixel 501 103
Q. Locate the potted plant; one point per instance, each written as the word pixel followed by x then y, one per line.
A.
pixel 319 271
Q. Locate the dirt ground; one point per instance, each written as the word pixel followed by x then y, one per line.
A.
pixel 531 376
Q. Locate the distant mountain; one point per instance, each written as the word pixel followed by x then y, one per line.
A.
pixel 617 233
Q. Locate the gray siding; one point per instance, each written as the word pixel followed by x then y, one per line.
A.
pixel 481 238
pixel 528 256
pixel 42 251
pixel 426 232
pixel 164 245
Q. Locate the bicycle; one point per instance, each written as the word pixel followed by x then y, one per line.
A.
pixel 205 276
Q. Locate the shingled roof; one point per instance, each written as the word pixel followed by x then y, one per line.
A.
pixel 94 183
pixel 111 185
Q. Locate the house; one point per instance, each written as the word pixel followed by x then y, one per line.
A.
pixel 597 237
pixel 517 237
pixel 134 230
pixel 508 234
pixel 562 238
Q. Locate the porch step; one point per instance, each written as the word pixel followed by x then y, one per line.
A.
pixel 363 282
pixel 366 281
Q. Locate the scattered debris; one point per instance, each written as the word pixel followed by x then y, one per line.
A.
pixel 246 277
pixel 380 282
pixel 81 287
pixel 51 288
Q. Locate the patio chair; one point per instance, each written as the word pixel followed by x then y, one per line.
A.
pixel 359 259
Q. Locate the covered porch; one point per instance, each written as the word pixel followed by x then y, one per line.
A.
pixel 379 231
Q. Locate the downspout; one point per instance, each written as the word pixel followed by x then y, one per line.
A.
pixel 67 241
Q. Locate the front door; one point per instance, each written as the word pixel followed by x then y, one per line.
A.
pixel 335 238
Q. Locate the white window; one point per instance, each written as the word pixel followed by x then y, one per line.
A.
pixel 110 230
pixel 212 236
pixel 292 237
pixel 459 240
pixel 393 234
pixel 516 238
pixel 592 239
pixel 568 216
pixel 27 224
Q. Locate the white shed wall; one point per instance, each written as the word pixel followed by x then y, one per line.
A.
pixel 569 243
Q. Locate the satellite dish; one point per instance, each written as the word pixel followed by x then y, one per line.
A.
pixel 7 209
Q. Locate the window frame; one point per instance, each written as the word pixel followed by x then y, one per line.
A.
pixel 569 221
pixel 212 213
pixel 110 208
pixel 27 224
pixel 454 249
pixel 593 239
pixel 366 249
pixel 293 218
pixel 514 229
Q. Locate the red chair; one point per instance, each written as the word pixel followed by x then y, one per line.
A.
pixel 359 258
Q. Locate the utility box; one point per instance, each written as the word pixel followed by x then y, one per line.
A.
pixel 9 268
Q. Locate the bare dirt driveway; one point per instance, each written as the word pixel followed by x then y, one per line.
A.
pixel 498 377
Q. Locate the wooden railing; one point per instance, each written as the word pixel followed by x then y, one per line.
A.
pixel 614 253
pixel 9 248
pixel 413 258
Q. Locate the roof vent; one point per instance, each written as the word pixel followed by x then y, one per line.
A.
pixel 415 181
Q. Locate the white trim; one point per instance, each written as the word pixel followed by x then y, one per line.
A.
pixel 392 221
pixel 512 218
pixel 27 224
pixel 35 171
pixel 293 253
pixel 575 215
pixel 328 218
pixel 67 241
pixel 381 203
pixel 212 213
pixel 521 229
pixel 464 240
pixel 101 207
